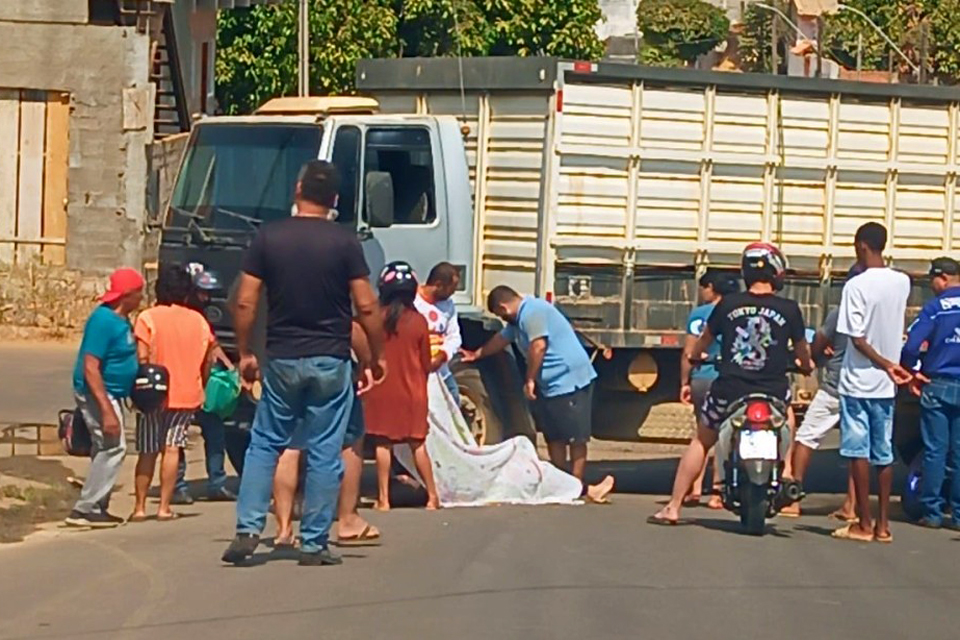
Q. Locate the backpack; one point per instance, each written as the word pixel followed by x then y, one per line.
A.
pixel 73 433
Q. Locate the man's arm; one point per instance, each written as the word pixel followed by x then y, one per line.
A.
pixel 244 316
pixel 368 316
pixel 97 389
pixel 699 347
pixel 919 333
pixel 494 345
pixel 896 372
pixel 801 349
pixel 452 341
pixel 535 353
pixel 820 345
pixel 360 345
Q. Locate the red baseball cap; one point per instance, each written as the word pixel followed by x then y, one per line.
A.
pixel 122 282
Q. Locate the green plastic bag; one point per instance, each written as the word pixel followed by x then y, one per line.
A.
pixel 222 392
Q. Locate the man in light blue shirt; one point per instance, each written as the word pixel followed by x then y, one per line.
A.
pixel 560 376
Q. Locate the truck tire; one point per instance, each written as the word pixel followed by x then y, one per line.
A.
pixel 754 505
pixel 478 408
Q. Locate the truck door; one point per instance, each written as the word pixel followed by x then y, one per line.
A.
pixel 389 193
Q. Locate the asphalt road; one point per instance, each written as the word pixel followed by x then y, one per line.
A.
pixel 35 381
pixel 499 572
pixel 502 572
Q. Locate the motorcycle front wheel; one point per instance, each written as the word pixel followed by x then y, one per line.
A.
pixel 754 505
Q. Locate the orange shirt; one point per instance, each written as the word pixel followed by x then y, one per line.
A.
pixel 178 338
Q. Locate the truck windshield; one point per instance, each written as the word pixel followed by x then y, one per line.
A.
pixel 236 176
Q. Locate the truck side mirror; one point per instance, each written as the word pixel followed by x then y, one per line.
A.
pixel 378 191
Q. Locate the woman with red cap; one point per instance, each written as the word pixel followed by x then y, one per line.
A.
pixel 103 377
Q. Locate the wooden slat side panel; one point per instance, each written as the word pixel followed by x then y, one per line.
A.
pixel 33 123
pixel 592 191
pixel 9 163
pixel 55 176
pixel 515 163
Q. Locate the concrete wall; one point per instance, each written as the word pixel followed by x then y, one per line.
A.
pixel 65 11
pixel 105 71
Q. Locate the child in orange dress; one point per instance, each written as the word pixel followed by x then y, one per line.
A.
pixel 396 411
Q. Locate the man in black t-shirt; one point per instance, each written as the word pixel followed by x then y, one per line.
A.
pixel 315 274
pixel 761 335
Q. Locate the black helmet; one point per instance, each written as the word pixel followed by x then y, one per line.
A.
pixel 150 388
pixel 763 262
pixel 397 278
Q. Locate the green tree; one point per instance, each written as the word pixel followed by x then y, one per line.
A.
pixel 563 28
pixel 677 32
pixel 432 28
pixel 755 33
pixel 257 48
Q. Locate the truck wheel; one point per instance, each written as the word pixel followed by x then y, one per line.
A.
pixel 477 407
pixel 754 504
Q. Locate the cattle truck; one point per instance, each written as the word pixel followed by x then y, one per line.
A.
pixel 605 188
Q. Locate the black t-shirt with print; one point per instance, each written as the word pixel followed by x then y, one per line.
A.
pixel 307 264
pixel 757 336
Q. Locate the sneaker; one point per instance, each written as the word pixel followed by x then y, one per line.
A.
pixel 222 495
pixel 322 558
pixel 241 548
pixel 181 498
pixel 928 523
pixel 93 520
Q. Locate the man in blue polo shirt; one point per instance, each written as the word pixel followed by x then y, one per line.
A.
pixel 559 379
pixel 939 326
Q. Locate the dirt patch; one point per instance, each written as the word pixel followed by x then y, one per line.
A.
pixel 32 492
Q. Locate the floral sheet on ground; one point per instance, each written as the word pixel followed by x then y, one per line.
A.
pixel 469 475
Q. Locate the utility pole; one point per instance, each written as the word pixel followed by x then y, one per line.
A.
pixel 923 53
pixel 819 46
pixel 303 49
pixel 774 61
pixel 859 54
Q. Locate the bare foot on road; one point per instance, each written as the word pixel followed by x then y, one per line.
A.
pixel 791 510
pixel 598 492
pixel 381 506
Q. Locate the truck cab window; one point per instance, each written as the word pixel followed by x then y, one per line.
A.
pixel 346 157
pixel 405 155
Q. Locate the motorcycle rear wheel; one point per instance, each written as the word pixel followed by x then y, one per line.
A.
pixel 754 505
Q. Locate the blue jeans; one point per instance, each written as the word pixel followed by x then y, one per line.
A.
pixel 866 429
pixel 317 393
pixel 940 428
pixel 213 448
pixel 452 386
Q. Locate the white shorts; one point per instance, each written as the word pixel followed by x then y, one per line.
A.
pixel 822 415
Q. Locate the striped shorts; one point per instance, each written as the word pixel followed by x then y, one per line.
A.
pixel 164 428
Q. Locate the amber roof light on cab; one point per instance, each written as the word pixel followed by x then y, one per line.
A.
pixel 319 106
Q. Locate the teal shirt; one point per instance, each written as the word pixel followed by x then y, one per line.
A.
pixel 566 366
pixel 696 323
pixel 108 337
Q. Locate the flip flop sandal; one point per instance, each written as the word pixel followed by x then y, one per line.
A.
pixel 604 500
pixel 169 518
pixel 288 543
pixel 846 533
pixel 366 538
pixel 136 519
pixel 662 522
pixel 842 517
pixel 692 500
pixel 883 539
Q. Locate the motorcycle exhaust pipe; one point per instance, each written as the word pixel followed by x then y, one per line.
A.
pixel 792 491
